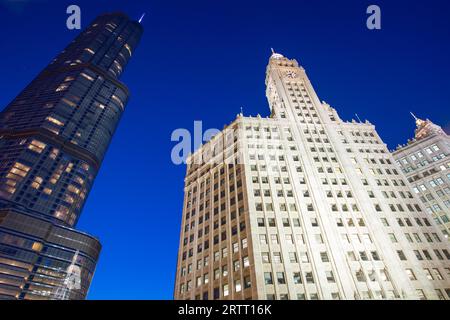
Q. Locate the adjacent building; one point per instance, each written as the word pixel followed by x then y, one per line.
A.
pixel 424 161
pixel 303 205
pixel 53 138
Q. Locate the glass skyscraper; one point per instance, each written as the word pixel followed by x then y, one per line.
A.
pixel 53 138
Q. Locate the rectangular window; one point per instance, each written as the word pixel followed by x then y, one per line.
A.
pixel 268 278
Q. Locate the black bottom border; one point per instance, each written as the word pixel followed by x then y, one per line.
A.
pixel 263 309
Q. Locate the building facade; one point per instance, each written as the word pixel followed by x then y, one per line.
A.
pixel 302 205
pixel 53 138
pixel 425 162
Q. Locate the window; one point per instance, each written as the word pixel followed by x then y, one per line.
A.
pixel 360 276
pixel 268 278
pixel 384 276
pixel 335 296
pixel 54 121
pixel 421 294
pixel 274 238
pixel 304 257
pixel 363 256
pixel 237 286
pixel 245 262
pixel 289 239
pixel 440 294
pixel 280 278
pixel 263 239
pixel 244 243
pixel 309 277
pixel 437 274
pixel 330 276
pixel 224 270
pixel 247 282
pixel 37 146
pixel 318 238
pixel 297 278
pixel 392 237
pixel 277 257
pixel 410 274
pixel 225 290
pixel 418 255
pixel 62 87
pixel 293 257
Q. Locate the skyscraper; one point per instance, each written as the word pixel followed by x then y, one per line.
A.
pixel 424 160
pixel 303 205
pixel 53 138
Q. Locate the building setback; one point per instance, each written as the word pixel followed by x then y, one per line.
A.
pixel 424 160
pixel 294 206
pixel 53 138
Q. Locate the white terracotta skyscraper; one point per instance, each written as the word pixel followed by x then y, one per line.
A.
pixel 302 205
pixel 424 160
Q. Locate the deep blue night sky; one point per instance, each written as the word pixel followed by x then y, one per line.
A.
pixel 203 60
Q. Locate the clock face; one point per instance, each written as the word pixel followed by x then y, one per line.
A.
pixel 290 74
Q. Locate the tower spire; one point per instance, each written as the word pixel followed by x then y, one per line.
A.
pixel 141 18
pixel 275 55
pixel 414 116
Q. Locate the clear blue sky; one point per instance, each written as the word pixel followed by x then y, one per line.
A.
pixel 203 60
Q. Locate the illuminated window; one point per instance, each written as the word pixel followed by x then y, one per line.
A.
pixel 69 167
pixel 37 146
pixel 79 180
pixel 62 212
pixel 19 169
pixel 87 76
pixel 37 246
pixel 55 131
pixel 118 66
pixel 115 98
pixel 237 285
pixel 73 189
pixel 62 87
pixel 55 121
pixel 225 290
pixel 128 48
pixel 54 153
pixel 99 105
pixel 89 50
pixel 36 183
